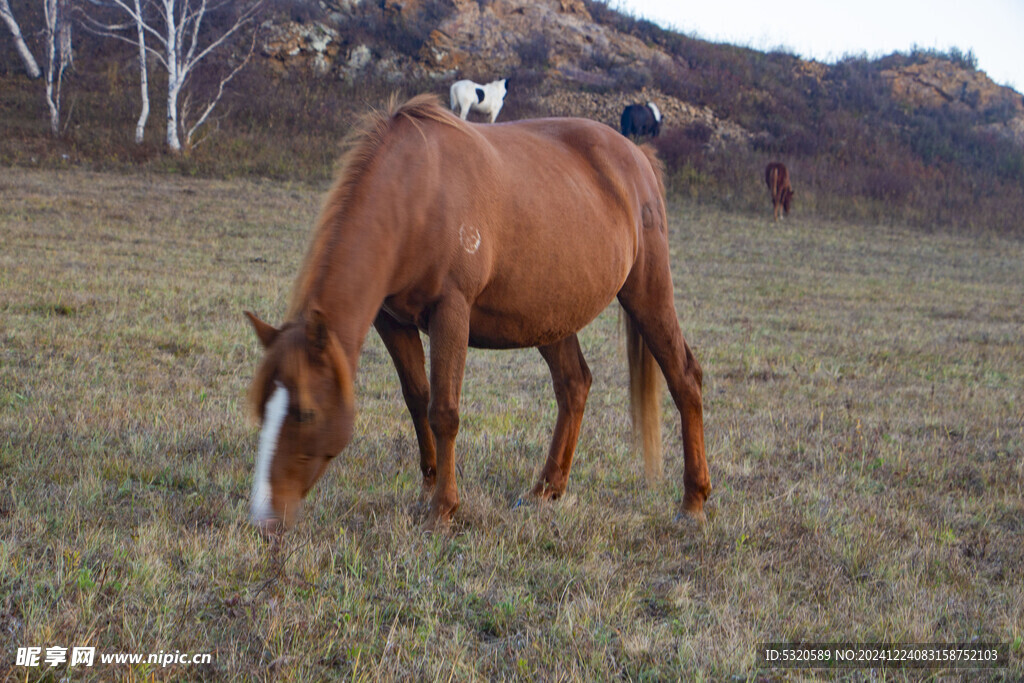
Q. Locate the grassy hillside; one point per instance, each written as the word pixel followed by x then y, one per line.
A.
pixel 856 152
pixel 864 429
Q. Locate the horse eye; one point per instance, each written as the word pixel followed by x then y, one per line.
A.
pixel 301 416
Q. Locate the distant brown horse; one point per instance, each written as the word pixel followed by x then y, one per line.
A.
pixel 496 236
pixel 776 176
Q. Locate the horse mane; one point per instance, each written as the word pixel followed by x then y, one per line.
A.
pixel 360 146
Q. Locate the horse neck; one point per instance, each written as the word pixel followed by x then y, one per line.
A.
pixel 353 279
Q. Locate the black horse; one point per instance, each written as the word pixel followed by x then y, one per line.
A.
pixel 638 120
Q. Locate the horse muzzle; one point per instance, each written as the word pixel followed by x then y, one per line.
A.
pixel 270 522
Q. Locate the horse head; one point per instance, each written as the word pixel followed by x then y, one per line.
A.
pixel 303 396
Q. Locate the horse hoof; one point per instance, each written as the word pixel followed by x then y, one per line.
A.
pixel 692 521
pixel 437 525
pixel 439 521
pixel 545 491
pixel 692 513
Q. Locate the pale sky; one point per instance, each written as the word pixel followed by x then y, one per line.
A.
pixel 827 30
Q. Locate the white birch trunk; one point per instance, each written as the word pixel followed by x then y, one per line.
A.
pixel 140 126
pixel 57 57
pixel 31 66
pixel 172 117
pixel 174 73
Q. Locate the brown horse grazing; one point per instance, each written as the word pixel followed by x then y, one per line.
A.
pixel 497 236
pixel 776 176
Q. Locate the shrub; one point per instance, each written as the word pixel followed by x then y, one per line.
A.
pixel 680 147
pixel 535 52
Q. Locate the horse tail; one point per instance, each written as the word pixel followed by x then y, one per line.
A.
pixel 659 173
pixel 645 399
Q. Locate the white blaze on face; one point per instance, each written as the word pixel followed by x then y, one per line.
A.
pixel 260 508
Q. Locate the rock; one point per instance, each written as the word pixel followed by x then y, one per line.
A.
pixel 441 52
pixel 1012 130
pixel 291 44
pixel 401 6
pixel 358 58
pixel 939 82
pixel 486 39
pixel 575 7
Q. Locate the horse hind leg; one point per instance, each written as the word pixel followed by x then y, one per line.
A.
pixel 571 379
pixel 773 189
pixel 648 300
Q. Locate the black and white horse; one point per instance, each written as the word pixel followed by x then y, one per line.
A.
pixel 639 119
pixel 486 99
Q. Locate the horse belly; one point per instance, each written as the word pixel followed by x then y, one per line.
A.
pixel 543 308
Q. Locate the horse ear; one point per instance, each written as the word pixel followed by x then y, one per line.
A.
pixel 321 339
pixel 266 333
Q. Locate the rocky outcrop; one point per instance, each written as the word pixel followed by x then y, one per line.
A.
pixel 290 45
pixel 810 70
pixel 577 65
pixel 939 82
pixel 489 38
pixel 1012 130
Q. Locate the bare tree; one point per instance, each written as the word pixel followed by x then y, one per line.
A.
pixel 173 37
pixel 58 55
pixel 139 24
pixel 140 30
pixel 31 66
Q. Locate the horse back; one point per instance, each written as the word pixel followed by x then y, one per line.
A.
pixel 536 221
pixel 580 167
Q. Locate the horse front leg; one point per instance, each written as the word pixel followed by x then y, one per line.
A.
pixel 406 349
pixel 571 379
pixel 449 339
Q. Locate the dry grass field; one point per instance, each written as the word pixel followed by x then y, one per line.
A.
pixel 864 405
